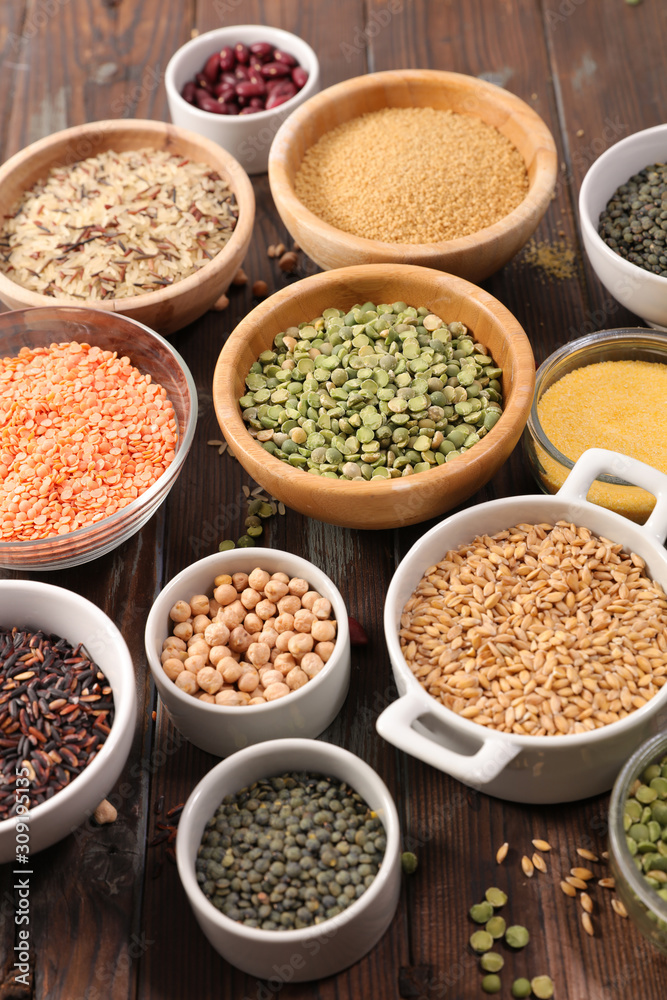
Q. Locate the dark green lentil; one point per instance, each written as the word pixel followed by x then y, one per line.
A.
pixel 634 222
pixel 276 854
pixel 379 391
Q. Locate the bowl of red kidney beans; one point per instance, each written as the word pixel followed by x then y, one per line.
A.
pixel 236 85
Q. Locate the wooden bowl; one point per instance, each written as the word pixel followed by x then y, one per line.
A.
pixel 475 256
pixel 386 503
pixel 179 304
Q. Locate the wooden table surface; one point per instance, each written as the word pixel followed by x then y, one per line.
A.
pixel 108 915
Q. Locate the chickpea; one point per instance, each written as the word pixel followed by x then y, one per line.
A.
pixel 282 642
pixel 200 623
pixel 199 604
pixel 284 622
pixel 183 630
pixel 296 678
pixel 175 642
pixel 216 634
pixel 204 696
pixel 311 664
pixel 309 599
pixel 257 700
pixel 282 577
pixel 290 604
pixel 218 653
pixel 258 579
pixel 322 608
pixel 173 667
pixel 194 663
pixel 199 648
pixel 323 631
pixel 258 653
pixel 298 586
pixel 230 669
pixel 275 589
pixel 265 609
pixel 324 650
pixel 240 581
pixel 239 639
pixel 303 620
pixel 221 579
pixel 269 636
pixel 277 690
pixel 229 697
pixel 300 644
pixel 233 614
pixel 269 677
pixel 248 681
pixel 269 622
pixel 250 598
pixel 209 680
pixel 187 681
pixel 284 663
pixel 213 607
pixel 253 623
pixel 180 612
pixel 225 594
pixel 171 653
pixel 275 653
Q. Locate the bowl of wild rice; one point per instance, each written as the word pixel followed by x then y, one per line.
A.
pixel 528 639
pixel 137 217
pixel 66 674
pixel 97 415
pixel 413 166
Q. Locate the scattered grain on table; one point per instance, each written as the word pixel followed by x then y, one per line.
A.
pixel 554 261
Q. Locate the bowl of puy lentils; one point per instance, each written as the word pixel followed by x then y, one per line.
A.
pixel 623 211
pixel 375 396
pixel 289 854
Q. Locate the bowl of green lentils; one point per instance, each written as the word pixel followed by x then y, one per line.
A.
pixel 289 854
pixel 375 396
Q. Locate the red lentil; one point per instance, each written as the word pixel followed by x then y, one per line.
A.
pixel 82 434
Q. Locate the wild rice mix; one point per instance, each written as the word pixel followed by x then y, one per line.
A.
pixel 539 630
pixel 117 224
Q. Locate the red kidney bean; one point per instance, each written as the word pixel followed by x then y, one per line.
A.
pixel 231 108
pixel 189 91
pixel 277 98
pixel 212 68
pixel 255 77
pixel 255 65
pixel 228 78
pixel 208 103
pixel 299 77
pixel 225 91
pixel 284 57
pixel 274 69
pixel 202 82
pixel 248 89
pixel 263 50
pixel 227 58
pixel 257 103
pixel 249 110
pixel 200 94
pixel 242 102
pixel 241 73
pixel 242 53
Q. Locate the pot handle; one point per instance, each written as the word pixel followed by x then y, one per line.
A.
pixel 479 769
pixel 597 461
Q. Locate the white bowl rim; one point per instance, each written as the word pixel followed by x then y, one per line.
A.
pixel 123 713
pixel 183 444
pixel 190 702
pixel 259 116
pixel 331 750
pixel 482 734
pixel 588 226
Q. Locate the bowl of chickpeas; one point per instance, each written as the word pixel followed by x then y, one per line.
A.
pixel 249 645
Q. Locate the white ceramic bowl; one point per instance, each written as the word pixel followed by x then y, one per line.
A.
pixel 640 291
pixel 35 605
pixel 313 952
pixel 247 137
pixel 223 729
pixel 532 769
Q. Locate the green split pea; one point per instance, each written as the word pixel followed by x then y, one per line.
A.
pixel 645 824
pixel 380 391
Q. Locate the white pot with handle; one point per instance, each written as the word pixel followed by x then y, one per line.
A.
pixel 534 769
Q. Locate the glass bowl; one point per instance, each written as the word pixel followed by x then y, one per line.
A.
pixel 646 909
pixel 549 466
pixel 152 355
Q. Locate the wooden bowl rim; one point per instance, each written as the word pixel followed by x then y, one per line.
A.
pixel 513 419
pixel 236 176
pixel 534 203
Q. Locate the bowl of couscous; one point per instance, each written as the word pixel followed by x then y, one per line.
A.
pixel 583 399
pixel 477 169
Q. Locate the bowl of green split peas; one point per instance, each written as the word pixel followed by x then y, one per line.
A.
pixel 638 838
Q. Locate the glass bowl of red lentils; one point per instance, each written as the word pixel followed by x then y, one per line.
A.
pixel 97 415
pixel 582 399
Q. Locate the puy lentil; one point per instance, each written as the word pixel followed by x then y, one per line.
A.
pixel 56 711
pixel 457 175
pixel 324 884
pixel 634 221
pixel 377 391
